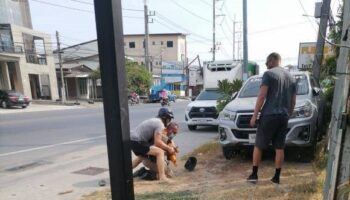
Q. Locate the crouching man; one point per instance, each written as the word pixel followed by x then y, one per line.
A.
pixel 150 139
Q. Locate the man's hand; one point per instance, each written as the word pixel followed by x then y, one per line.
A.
pixel 253 121
pixel 171 150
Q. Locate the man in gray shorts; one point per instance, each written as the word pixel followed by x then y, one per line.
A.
pixel 276 101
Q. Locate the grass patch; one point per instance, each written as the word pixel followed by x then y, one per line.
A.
pixel 208 149
pixel 180 195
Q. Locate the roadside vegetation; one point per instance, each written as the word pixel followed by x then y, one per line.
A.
pixel 227 89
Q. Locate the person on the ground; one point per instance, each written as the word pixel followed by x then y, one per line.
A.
pixel 275 102
pixel 167 137
pixel 147 140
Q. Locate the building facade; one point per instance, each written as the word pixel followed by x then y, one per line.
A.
pixel 15 12
pixel 26 62
pixel 171 47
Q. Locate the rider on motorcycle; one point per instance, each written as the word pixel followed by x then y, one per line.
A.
pixel 164 96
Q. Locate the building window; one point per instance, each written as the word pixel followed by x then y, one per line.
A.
pixel 34 49
pixel 161 43
pixel 132 45
pixel 153 43
pixel 169 44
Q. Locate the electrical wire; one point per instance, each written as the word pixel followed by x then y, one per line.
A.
pixel 190 12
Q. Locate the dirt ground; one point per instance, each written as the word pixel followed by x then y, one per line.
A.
pixel 221 179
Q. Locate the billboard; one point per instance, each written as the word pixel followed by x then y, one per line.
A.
pixel 307 54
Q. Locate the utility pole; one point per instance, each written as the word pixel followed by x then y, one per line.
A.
pixel 338 165
pixel 214 17
pixel 234 39
pixel 245 41
pixel 146 37
pixel 63 91
pixel 322 31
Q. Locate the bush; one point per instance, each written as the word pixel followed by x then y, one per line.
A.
pixel 226 89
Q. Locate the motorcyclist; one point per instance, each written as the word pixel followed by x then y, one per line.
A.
pixel 164 96
pixel 148 139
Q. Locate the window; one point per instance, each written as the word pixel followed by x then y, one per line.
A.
pixel 169 44
pixel 161 43
pixel 153 43
pixel 34 48
pixel 132 45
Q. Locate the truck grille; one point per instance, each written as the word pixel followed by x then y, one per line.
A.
pixel 242 134
pixel 243 121
pixel 203 112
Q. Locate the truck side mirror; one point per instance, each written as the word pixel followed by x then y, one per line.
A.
pixel 193 98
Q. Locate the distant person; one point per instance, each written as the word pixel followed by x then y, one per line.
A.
pixel 148 140
pixel 163 94
pixel 276 101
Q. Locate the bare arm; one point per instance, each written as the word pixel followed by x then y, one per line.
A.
pixel 261 99
pixel 158 142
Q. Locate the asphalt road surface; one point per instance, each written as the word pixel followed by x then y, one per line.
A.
pixel 29 138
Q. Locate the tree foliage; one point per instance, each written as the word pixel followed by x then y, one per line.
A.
pixel 227 88
pixel 139 79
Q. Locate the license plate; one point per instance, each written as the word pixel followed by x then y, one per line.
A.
pixel 252 138
pixel 20 99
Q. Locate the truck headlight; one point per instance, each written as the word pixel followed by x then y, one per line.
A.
pixel 188 109
pixel 228 115
pixel 302 111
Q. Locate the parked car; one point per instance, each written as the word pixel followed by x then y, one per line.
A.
pixel 304 125
pixel 154 97
pixel 9 98
pixel 202 110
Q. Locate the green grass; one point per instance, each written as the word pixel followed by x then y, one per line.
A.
pixel 181 195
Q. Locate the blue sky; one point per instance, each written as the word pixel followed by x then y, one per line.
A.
pixel 273 25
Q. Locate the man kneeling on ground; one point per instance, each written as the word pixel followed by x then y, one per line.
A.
pixel 150 139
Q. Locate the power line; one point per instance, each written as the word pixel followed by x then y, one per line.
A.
pixel 190 12
pixel 81 10
pixel 303 8
pixel 179 26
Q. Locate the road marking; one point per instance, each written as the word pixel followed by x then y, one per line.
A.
pixel 51 146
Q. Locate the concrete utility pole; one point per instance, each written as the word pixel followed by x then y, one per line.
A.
pixel 245 41
pixel 234 39
pixel 63 91
pixel 338 166
pixel 214 17
pixel 146 37
pixel 322 31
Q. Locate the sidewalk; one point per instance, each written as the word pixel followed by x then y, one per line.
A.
pixel 48 106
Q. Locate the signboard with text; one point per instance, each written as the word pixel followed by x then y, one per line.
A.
pixel 307 54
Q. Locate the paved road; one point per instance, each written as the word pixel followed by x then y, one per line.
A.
pixel 31 140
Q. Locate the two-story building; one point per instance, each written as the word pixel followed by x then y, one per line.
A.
pixel 26 62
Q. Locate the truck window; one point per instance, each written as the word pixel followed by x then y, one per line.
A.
pixel 208 95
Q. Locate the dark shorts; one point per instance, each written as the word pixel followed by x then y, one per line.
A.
pixel 140 148
pixel 272 129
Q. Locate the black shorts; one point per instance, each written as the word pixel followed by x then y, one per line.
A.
pixel 140 148
pixel 272 128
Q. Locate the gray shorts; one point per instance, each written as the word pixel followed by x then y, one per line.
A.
pixel 272 129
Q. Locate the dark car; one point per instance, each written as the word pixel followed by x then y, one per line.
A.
pixel 9 98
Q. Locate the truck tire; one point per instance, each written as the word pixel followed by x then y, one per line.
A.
pixel 229 153
pixel 192 127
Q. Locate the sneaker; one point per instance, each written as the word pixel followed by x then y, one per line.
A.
pixel 139 172
pixel 253 178
pixel 275 180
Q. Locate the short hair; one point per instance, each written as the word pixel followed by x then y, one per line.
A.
pixel 275 56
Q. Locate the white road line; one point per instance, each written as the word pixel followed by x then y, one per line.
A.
pixel 51 146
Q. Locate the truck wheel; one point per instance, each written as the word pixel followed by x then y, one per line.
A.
pixel 192 127
pixel 229 153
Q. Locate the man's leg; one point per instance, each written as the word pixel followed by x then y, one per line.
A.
pixel 136 162
pixel 257 153
pixel 159 154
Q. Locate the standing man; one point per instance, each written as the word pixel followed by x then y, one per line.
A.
pixel 276 101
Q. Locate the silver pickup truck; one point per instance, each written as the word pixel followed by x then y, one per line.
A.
pixel 235 132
